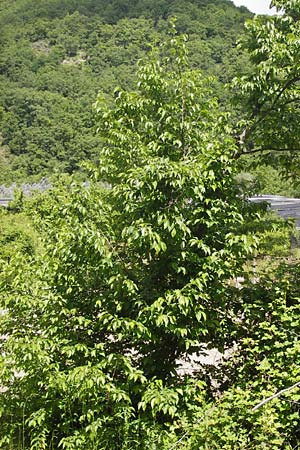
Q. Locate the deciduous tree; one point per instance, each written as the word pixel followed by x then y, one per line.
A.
pixel 269 94
pixel 135 274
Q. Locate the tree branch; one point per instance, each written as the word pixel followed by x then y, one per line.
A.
pixel 278 394
pixel 187 432
pixel 267 149
pixel 262 114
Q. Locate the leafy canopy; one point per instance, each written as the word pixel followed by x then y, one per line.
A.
pixel 269 94
pixel 134 275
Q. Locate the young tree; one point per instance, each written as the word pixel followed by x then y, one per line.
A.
pixel 135 274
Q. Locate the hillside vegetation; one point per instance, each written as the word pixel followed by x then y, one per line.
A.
pixel 56 55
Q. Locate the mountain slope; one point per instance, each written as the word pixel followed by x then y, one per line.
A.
pixel 56 55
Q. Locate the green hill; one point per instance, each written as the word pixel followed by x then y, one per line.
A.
pixel 56 55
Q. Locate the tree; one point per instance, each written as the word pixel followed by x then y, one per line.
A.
pixel 135 273
pixel 269 94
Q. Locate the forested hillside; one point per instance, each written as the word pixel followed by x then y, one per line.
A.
pixel 56 55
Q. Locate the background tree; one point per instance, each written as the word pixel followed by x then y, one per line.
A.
pixel 270 92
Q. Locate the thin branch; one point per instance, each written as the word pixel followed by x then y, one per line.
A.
pixel 187 432
pixel 284 88
pixel 278 394
pixel 263 114
pixel 267 149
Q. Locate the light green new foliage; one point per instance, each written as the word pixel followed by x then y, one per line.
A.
pixel 134 276
pixel 264 362
pixel 168 157
pixel 16 235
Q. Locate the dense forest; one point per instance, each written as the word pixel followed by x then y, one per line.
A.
pixel 145 302
pixel 57 55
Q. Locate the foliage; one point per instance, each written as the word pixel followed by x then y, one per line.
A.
pixel 265 360
pixel 143 268
pixel 270 92
pixel 56 55
pixel 257 177
pixel 134 276
pixel 16 235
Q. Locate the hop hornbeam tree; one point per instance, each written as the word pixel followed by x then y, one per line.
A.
pixel 134 275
